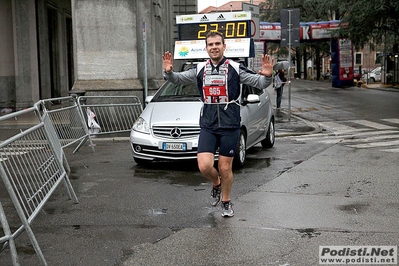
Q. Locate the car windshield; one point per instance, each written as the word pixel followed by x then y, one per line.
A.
pixel 376 70
pixel 177 92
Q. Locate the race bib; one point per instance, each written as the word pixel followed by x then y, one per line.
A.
pixel 215 84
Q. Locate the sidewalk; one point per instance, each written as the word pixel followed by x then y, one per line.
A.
pixel 291 125
pixel 379 86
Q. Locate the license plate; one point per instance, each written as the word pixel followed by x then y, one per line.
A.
pixel 174 146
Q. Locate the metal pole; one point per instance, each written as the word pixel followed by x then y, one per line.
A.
pixel 289 60
pixel 145 64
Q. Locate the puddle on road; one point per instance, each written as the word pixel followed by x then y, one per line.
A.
pixel 188 174
pixel 254 165
pixel 55 210
pixel 138 226
pixel 258 163
pixel 28 250
pixel 354 208
pixel 176 178
pixel 175 173
pixel 308 233
pixel 155 212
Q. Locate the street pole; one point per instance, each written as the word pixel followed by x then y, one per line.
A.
pixel 289 36
pixel 289 65
pixel 145 63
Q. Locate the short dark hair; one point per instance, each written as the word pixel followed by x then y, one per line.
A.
pixel 213 34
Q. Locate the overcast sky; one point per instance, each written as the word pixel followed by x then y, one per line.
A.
pixel 202 4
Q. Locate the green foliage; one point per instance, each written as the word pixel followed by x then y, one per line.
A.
pixel 372 21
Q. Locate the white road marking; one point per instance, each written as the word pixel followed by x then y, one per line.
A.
pixel 392 120
pixel 375 144
pixel 371 124
pixel 338 128
pixel 374 135
pixel 391 150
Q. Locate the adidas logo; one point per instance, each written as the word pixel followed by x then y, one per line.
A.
pixel 204 18
pixel 220 17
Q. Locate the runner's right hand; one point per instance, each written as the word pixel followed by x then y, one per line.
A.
pixel 167 61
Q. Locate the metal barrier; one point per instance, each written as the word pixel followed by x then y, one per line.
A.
pixel 68 122
pixel 8 238
pixel 110 114
pixel 75 120
pixel 32 160
pixel 31 169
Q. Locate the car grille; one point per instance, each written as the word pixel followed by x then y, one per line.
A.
pixel 180 132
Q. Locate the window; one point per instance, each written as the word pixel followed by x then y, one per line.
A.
pixel 257 91
pixel 358 58
pixel 379 58
pixel 246 90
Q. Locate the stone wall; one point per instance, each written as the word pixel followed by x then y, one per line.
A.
pixel 107 47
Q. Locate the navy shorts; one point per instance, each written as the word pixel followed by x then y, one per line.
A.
pixel 224 139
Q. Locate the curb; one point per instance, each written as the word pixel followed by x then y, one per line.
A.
pixel 316 127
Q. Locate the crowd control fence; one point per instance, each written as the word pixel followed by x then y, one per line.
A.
pixel 77 119
pixel 32 159
pixel 31 169
pixel 68 121
pixel 109 114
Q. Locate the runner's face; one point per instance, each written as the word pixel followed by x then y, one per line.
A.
pixel 215 48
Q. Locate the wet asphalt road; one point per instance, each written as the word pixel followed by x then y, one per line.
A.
pixel 289 200
pixel 122 205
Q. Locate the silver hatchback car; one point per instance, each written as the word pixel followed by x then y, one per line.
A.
pixel 168 128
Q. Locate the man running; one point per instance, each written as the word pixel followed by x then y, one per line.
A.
pixel 218 82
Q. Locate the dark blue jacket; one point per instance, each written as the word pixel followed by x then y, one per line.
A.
pixel 217 116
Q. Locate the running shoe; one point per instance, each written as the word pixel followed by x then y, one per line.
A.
pixel 227 209
pixel 215 195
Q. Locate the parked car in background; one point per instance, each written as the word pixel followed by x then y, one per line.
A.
pixel 168 128
pixel 357 75
pixel 374 75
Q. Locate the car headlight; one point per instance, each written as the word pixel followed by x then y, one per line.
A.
pixel 141 125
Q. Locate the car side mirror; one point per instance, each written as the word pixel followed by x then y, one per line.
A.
pixel 148 99
pixel 251 98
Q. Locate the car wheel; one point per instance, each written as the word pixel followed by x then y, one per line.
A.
pixel 268 142
pixel 372 80
pixel 241 151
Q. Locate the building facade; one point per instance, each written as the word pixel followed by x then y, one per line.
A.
pixel 50 48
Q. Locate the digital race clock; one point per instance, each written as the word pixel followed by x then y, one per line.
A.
pixel 232 25
pixel 231 29
pixel 192 30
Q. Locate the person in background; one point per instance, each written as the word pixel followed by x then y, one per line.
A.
pixel 279 81
pixel 218 82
